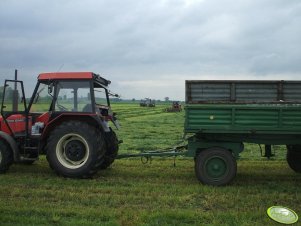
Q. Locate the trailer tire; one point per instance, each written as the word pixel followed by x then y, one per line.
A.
pixel 293 157
pixel 215 166
pixel 111 149
pixel 6 156
pixel 74 149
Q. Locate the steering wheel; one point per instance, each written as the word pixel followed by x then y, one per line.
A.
pixel 61 107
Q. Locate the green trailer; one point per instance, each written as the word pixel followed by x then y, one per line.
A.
pixel 222 115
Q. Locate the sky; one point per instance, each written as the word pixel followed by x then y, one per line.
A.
pixel 148 48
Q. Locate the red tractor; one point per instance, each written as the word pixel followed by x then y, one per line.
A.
pixel 175 107
pixel 66 119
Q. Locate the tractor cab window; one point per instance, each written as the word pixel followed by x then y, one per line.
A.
pixel 73 96
pixel 100 97
pixel 13 97
pixel 42 100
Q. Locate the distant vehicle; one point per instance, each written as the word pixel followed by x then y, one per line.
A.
pixel 147 102
pixel 175 107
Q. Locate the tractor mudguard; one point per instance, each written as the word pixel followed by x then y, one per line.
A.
pixel 13 145
pixel 92 120
pixel 105 126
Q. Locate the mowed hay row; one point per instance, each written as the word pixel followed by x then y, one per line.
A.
pixel 130 193
pixel 126 110
pixel 149 129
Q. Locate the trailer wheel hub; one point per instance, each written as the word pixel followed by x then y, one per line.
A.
pixel 216 167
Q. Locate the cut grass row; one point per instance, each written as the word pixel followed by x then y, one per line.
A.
pixel 148 128
pixel 130 193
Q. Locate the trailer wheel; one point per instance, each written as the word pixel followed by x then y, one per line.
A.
pixel 215 166
pixel 111 149
pixel 6 156
pixel 74 149
pixel 293 157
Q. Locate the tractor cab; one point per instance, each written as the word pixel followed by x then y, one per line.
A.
pixel 55 94
pixel 58 94
pixel 70 93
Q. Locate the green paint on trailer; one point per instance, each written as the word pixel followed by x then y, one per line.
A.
pixel 248 118
pixel 255 123
pixel 196 145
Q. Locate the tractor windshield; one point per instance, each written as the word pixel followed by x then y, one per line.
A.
pixel 42 99
pixel 73 96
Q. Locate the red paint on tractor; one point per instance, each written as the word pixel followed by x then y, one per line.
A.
pixel 17 123
pixel 66 75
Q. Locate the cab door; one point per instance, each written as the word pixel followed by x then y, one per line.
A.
pixel 13 109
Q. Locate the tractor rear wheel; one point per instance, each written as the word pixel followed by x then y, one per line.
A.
pixel 74 149
pixel 293 157
pixel 6 156
pixel 215 166
pixel 111 149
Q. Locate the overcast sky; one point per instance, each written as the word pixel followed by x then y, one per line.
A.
pixel 148 48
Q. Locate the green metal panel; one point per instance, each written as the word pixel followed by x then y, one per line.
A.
pixel 242 91
pixel 195 145
pixel 243 118
pixel 291 117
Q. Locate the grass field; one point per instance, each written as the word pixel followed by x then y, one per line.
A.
pixel 157 193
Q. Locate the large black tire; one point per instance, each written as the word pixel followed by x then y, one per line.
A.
pixel 111 149
pixel 6 156
pixel 215 166
pixel 74 149
pixel 293 157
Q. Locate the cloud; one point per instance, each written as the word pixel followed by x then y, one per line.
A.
pixel 137 41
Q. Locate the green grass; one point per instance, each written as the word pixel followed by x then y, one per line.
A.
pixel 157 193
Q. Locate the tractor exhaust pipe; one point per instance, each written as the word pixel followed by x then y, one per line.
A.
pixel 15 93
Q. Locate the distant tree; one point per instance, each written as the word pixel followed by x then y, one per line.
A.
pixel 8 93
pixel 166 99
pixel 1 92
pixel 133 99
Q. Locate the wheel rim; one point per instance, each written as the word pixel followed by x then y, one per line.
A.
pixel 72 151
pixel 216 168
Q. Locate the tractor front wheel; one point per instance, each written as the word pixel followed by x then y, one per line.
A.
pixel 6 156
pixel 215 166
pixel 293 157
pixel 74 149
